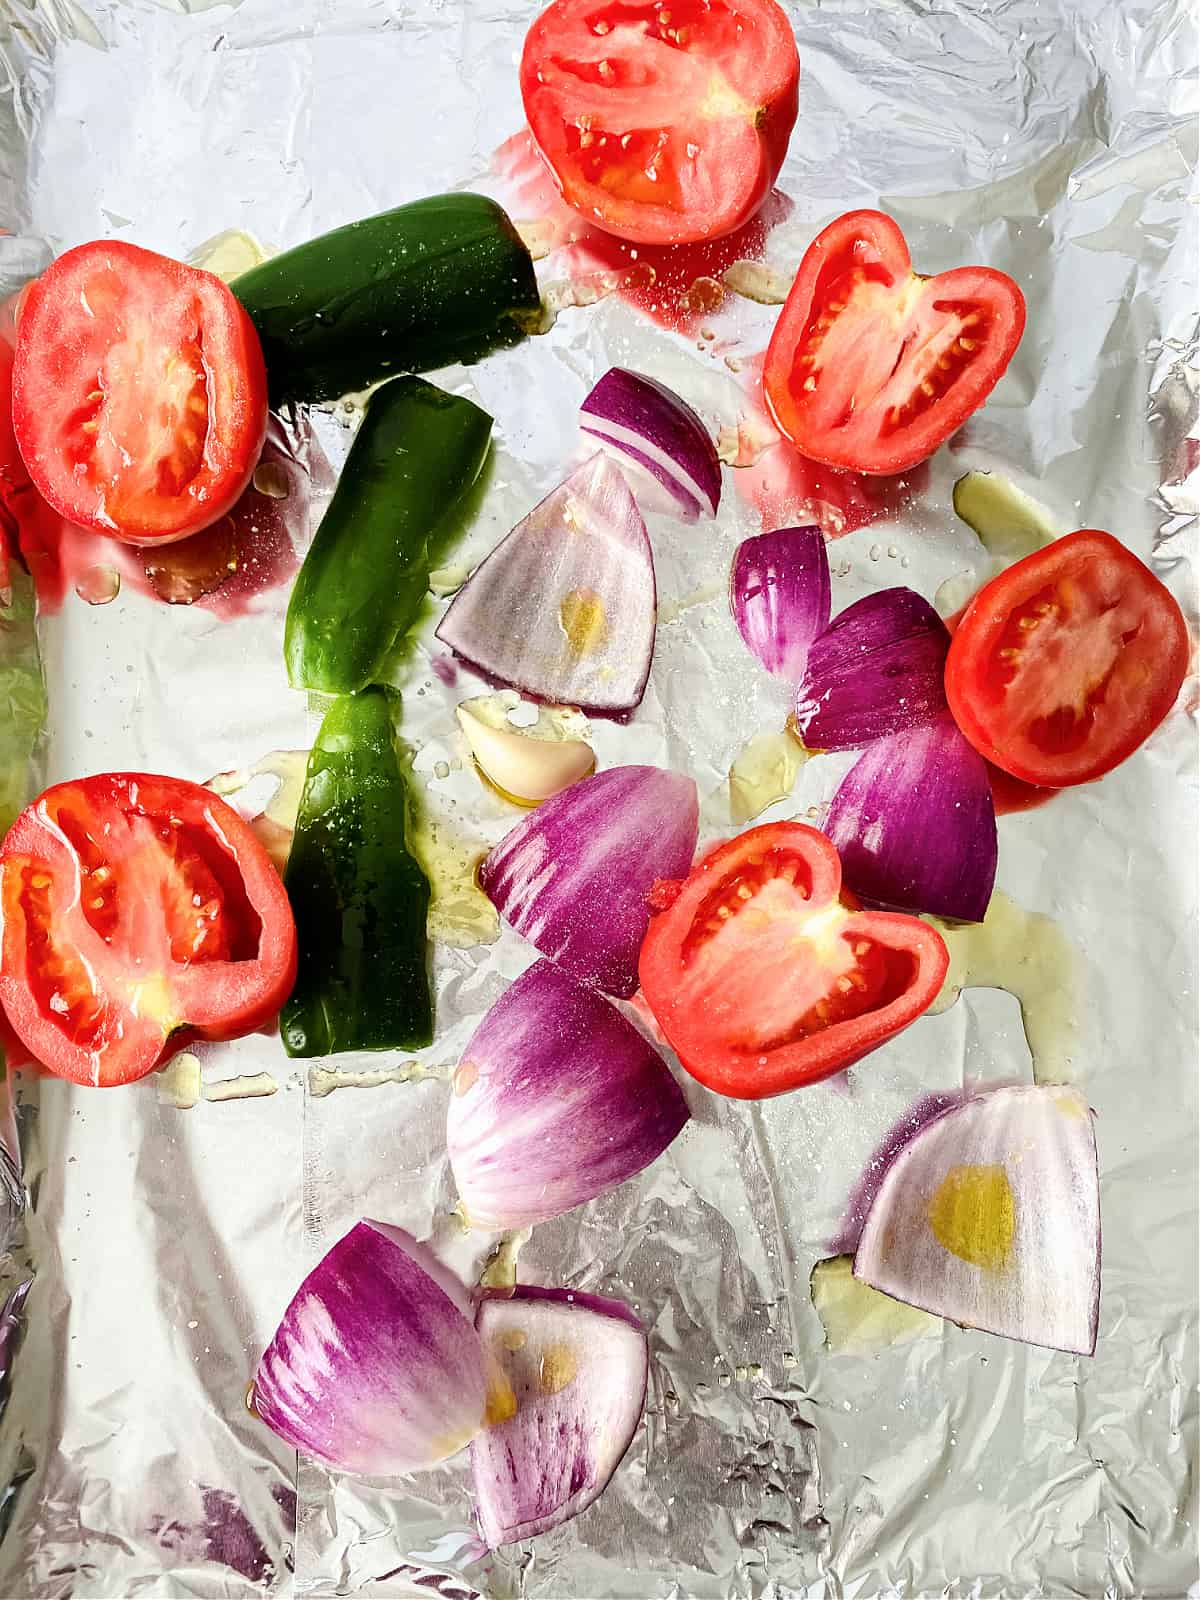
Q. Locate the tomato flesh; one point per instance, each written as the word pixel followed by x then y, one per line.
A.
pixel 1067 661
pixel 872 366
pixel 662 121
pixel 139 393
pixel 764 976
pixel 139 912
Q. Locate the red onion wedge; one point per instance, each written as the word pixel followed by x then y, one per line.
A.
pixel 990 1216
pixel 877 669
pixel 645 425
pixel 779 594
pixel 577 1366
pixel 564 608
pixel 573 876
pixel 374 1368
pixel 914 824
pixel 557 1099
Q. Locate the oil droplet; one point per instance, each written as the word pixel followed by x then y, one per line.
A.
pixel 188 570
pixel 1009 523
pixel 251 1086
pixel 556 1368
pixel 460 914
pixel 583 620
pixel 671 610
pixel 539 237
pixel 179 1083
pixel 230 253
pixel 501 1401
pixel 466 1077
pixel 754 280
pixel 1026 954
pixel 441 769
pixel 271 479
pixel 323 1081
pixel 448 580
pixel 973 1216
pixel 513 1338
pixel 99 586
pixel 856 1317
pixel 501 1269
pixel 763 771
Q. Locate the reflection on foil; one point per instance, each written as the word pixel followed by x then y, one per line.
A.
pixel 1050 138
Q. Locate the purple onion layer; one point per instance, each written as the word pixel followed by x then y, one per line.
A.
pixel 914 824
pixel 779 594
pixel 374 1369
pixel 558 1098
pixel 641 419
pixel 877 669
pixel 573 876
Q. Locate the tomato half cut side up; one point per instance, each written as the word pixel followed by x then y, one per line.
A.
pixel 1066 662
pixel 139 393
pixel 140 913
pixel 872 366
pixel 662 121
pixel 764 976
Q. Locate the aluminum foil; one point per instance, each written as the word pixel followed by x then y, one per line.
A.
pixel 1051 138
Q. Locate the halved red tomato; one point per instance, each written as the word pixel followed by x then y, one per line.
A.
pixel 872 366
pixel 662 121
pixel 1066 662
pixel 139 913
pixel 764 975
pixel 139 393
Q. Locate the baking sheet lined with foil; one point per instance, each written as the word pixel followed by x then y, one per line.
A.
pixel 1053 139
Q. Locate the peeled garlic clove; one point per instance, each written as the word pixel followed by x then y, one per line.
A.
pixel 528 770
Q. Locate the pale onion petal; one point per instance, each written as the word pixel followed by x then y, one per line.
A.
pixel 577 1366
pixel 564 608
pixel 990 1216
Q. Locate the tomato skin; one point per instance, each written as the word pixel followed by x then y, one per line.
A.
pixel 1067 661
pixel 871 365
pixel 722 1012
pixel 139 913
pixel 705 101
pixel 141 411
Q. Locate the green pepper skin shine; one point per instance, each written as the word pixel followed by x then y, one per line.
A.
pixel 413 459
pixel 358 896
pixel 440 280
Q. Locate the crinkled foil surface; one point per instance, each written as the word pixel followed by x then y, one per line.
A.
pixel 1051 138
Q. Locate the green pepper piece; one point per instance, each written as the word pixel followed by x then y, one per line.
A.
pixel 413 459
pixel 22 696
pixel 439 280
pixel 358 896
